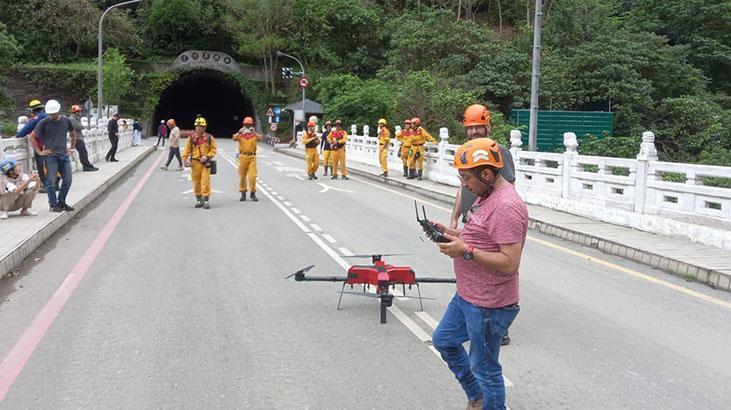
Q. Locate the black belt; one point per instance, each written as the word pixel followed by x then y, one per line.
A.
pixel 416 145
pixel 247 153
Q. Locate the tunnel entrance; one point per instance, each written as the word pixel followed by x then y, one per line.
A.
pixel 211 93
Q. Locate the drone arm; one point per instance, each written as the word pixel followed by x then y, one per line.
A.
pixel 436 280
pixel 305 278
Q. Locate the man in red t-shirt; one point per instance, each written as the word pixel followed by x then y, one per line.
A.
pixel 486 254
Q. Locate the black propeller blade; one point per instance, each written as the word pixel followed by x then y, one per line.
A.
pixel 376 254
pixel 301 271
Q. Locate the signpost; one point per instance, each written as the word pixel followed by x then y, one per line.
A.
pixel 273 126
pixel 304 82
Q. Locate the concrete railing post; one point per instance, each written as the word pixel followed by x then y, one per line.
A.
pixel 569 156
pixel 442 157
pixel 648 152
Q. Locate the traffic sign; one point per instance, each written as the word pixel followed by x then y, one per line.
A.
pixel 273 127
pixel 270 113
pixel 304 82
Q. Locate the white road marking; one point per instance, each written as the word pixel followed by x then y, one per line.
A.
pixel 329 238
pixel 345 251
pixel 298 176
pixel 273 193
pixel 326 188
pixel 287 204
pixel 281 198
pixel 316 227
pixel 428 319
pixel 297 211
pixel 305 218
pixel 276 162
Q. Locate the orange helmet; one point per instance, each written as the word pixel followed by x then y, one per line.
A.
pixel 75 108
pixel 311 124
pixel 248 121
pixel 478 152
pixel 476 114
pixel 416 121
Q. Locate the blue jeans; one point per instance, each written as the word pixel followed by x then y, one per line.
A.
pixel 479 373
pixel 54 164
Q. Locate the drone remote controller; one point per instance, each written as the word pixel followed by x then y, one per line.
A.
pixel 430 229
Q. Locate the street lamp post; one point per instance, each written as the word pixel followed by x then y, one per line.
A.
pixel 99 57
pixel 281 54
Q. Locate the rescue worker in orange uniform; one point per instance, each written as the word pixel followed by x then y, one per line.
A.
pixel 404 136
pixel 416 156
pixel 337 139
pixel 311 142
pixel 247 138
pixel 325 147
pixel 197 154
pixel 384 143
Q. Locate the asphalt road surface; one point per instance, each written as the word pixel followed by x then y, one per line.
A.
pixel 168 306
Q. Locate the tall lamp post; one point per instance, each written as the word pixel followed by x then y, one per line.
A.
pixel 535 79
pixel 99 57
pixel 281 54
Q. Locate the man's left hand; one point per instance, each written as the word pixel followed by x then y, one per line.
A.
pixel 204 158
pixel 454 248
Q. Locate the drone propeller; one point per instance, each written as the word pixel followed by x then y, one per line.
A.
pixel 301 271
pixel 376 254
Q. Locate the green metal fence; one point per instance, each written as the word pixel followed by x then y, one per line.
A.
pixel 552 125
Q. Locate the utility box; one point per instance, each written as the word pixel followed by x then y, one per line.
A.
pixel 552 125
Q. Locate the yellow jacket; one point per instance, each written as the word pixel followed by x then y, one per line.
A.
pixel 337 139
pixel 310 138
pixel 247 141
pixel 420 136
pixel 197 147
pixel 384 136
pixel 404 136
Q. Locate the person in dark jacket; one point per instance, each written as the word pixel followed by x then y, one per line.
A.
pixel 37 111
pixel 113 129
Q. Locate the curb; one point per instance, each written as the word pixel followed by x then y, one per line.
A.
pixel 15 257
pixel 688 271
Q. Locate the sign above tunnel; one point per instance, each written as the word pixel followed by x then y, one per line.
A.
pixel 206 59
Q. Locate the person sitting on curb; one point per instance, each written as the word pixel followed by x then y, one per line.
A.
pixel 17 190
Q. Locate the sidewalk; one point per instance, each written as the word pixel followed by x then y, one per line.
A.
pixel 23 234
pixel 677 256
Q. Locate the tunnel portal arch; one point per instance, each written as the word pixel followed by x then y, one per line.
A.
pixel 211 91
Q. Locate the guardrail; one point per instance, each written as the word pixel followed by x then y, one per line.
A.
pixel 640 193
pixel 96 140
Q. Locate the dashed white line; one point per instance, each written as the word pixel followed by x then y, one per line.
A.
pixel 345 251
pixel 297 211
pixel 305 218
pixel 427 319
pixel 329 238
pixel 316 227
pixel 288 204
pixel 274 193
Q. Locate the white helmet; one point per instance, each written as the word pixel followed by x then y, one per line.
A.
pixel 53 107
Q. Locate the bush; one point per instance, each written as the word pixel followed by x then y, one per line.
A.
pixel 617 147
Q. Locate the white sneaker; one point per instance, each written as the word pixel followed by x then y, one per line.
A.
pixel 27 212
pixel 3 215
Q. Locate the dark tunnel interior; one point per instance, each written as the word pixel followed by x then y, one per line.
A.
pixel 210 93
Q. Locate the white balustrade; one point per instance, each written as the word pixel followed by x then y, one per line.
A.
pixel 629 192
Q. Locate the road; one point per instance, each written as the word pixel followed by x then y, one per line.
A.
pixel 182 307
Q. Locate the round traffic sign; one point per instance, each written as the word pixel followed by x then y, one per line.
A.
pixel 304 82
pixel 273 127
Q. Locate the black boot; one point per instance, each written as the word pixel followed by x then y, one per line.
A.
pixel 310 177
pixel 198 201
pixel 314 176
pixel 420 175
pixel 325 174
pixel 206 205
pixel 406 171
pixel 253 196
pixel 334 176
pixel 412 174
pixel 243 196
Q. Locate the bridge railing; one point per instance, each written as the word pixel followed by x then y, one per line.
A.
pixel 642 192
pixel 96 140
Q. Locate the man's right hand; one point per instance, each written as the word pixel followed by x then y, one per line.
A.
pixel 45 152
pixel 187 163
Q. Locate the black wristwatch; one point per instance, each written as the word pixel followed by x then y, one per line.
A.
pixel 468 254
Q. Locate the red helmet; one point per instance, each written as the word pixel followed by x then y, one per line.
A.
pixel 311 124
pixel 248 121
pixel 75 108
